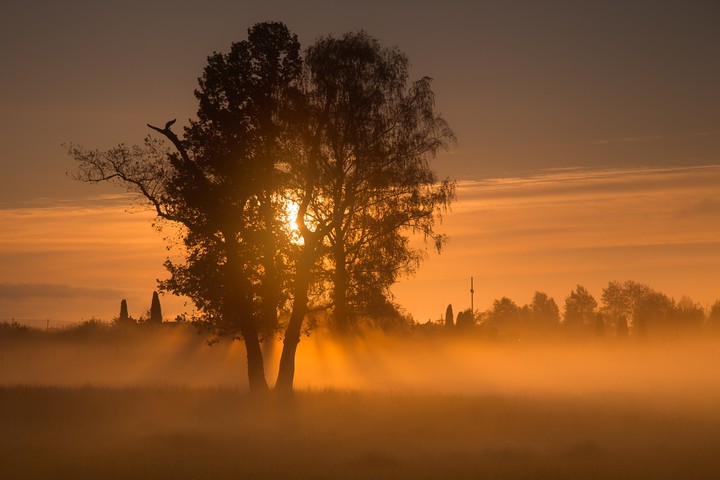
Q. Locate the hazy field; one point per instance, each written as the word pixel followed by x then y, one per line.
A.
pixel 163 405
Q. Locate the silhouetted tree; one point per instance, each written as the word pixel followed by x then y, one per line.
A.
pixel 449 318
pixel 347 140
pixel 365 182
pixel 624 300
pixel 465 320
pixel 580 308
pixel 544 314
pixel 249 101
pixel 124 317
pixel 374 133
pixel 651 310
pixel 223 182
pixel 155 310
pixel 689 315
pixel 504 318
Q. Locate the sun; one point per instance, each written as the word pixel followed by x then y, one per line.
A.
pixel 289 216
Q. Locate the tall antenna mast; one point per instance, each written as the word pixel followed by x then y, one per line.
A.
pixel 472 291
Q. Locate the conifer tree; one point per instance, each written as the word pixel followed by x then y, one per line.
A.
pixel 155 311
pixel 124 317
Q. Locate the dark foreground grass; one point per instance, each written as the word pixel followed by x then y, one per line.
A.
pixel 186 433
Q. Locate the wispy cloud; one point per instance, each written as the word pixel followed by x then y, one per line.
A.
pixel 67 260
pixel 651 138
pixel 22 291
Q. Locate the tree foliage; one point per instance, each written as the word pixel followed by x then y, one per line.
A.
pixel 373 134
pixel 647 310
pixel 544 313
pixel 504 315
pixel 580 308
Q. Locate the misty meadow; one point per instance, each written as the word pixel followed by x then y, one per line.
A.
pixel 155 401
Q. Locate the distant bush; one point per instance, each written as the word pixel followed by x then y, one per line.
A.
pixel 13 327
pixel 87 328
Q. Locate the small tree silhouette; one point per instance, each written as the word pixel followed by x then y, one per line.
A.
pixel 124 317
pixel 155 311
pixel 449 317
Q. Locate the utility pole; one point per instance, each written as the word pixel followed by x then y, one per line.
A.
pixel 472 291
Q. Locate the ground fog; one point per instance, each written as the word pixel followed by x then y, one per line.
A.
pixel 159 403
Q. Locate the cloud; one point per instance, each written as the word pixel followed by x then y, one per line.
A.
pixel 66 260
pixel 25 291
pixel 120 201
pixel 651 138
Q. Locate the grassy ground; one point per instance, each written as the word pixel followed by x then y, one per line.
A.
pixel 178 433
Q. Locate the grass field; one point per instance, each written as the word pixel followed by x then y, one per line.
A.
pixel 178 433
pixel 392 410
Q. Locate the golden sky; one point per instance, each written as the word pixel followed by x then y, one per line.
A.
pixel 553 231
pixel 65 262
pixel 547 232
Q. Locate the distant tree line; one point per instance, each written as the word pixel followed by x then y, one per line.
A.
pixel 626 308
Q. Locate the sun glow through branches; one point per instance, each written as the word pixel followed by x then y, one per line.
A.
pixel 289 218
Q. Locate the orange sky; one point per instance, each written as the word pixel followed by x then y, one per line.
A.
pixel 588 140
pixel 550 232
pixel 514 235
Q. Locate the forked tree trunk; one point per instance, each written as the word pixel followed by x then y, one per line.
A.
pixel 286 369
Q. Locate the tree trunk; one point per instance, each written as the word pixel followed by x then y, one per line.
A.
pixel 286 370
pixel 239 307
pixel 340 285
pixel 256 365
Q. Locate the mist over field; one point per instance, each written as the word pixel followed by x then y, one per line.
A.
pixel 677 368
pixel 656 370
pixel 160 403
